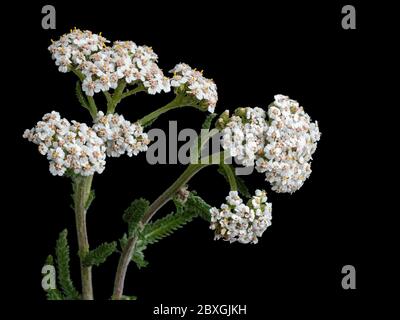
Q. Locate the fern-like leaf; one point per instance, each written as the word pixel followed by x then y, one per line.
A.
pixel 155 231
pixel 62 259
pixel 207 122
pixel 100 254
pixel 79 94
pixel 52 294
pixel 134 213
pixel 138 256
pixel 196 206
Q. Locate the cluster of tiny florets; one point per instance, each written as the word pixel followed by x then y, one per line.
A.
pixel 290 141
pixel 119 135
pixel 245 223
pixel 242 136
pixel 280 145
pixel 196 85
pixel 74 48
pixel 103 66
pixel 68 146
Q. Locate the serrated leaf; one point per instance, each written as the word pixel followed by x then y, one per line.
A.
pixel 100 254
pixel 79 94
pixel 123 241
pixel 138 258
pixel 62 259
pixel 134 213
pixel 207 122
pixel 165 226
pixel 198 207
pixel 54 294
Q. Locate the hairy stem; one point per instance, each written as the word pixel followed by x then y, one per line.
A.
pixel 116 97
pixel 82 186
pixel 129 249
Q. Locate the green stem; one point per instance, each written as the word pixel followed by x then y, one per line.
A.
pixel 116 97
pixel 139 88
pixel 82 186
pixel 178 102
pixel 129 249
pixel 230 175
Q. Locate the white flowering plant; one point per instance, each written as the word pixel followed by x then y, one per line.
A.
pixel 278 141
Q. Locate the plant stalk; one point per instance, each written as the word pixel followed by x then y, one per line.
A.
pixel 82 186
pixel 129 249
pixel 178 102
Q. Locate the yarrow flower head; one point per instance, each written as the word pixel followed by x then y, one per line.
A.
pixel 192 82
pixel 280 143
pixel 124 60
pixel 74 48
pixel 103 66
pixel 245 223
pixel 290 141
pixel 119 135
pixel 68 146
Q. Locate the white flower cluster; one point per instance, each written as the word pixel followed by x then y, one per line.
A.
pixel 73 49
pixel 281 145
pixel 74 147
pixel 119 135
pixel 236 221
pixel 104 66
pixel 243 135
pixel 290 141
pixel 202 89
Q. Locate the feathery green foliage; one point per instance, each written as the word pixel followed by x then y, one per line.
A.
pixel 81 98
pixel 198 207
pixel 163 227
pixel 242 188
pixel 159 229
pixel 138 255
pixel 100 254
pixel 52 294
pixel 123 241
pixel 62 259
pixel 207 122
pixel 134 213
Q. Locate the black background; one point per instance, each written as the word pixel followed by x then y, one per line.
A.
pixel 252 51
